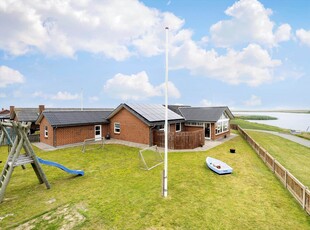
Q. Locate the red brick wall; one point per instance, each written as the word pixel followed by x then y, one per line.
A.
pixel 132 128
pixel 192 128
pixel 69 135
pixel 47 140
pixel 218 136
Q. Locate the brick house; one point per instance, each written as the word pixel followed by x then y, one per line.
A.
pixel 4 114
pixel 137 122
pixel 27 115
pixel 67 127
pixel 215 121
pixel 188 127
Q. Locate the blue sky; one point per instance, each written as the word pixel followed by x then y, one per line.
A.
pixel 245 54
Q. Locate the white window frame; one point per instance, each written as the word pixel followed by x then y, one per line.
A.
pixel 97 137
pixel 45 131
pixel 180 129
pixel 117 128
pixel 222 125
pixel 198 124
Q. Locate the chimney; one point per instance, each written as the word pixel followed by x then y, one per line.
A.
pixel 12 111
pixel 41 108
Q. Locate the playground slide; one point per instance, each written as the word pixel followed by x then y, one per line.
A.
pixel 51 163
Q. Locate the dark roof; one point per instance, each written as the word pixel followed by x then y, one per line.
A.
pixel 4 114
pixel 149 113
pixel 75 118
pixel 211 114
pixel 26 114
pixel 78 109
pixel 175 108
pixel 32 114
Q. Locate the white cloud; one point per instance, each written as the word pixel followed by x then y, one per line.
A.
pixel 206 103
pixel 2 95
pixel 252 65
pixel 250 23
pixel 109 28
pixel 117 29
pixel 303 36
pixel 172 90
pixel 10 76
pixel 136 87
pixel 65 96
pixel 253 101
pixel 93 99
pixel 40 94
pixel 283 33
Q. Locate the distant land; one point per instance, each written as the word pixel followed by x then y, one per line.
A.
pixel 275 111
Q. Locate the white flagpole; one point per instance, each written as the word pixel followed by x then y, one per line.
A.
pixel 165 182
pixel 82 99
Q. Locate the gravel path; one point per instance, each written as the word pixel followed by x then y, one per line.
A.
pixel 290 137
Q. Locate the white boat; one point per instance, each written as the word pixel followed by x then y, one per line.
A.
pixel 218 166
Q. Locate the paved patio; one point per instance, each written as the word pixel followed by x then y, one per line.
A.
pixel 208 145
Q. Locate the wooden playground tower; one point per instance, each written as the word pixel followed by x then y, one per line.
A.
pixel 16 158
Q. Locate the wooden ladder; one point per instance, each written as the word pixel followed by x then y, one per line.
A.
pixel 15 157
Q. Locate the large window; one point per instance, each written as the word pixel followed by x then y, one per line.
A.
pixel 45 131
pixel 222 124
pixel 117 127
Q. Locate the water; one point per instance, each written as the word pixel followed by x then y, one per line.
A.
pixel 296 121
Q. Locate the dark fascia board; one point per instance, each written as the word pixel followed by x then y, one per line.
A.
pixel 80 124
pixel 200 121
pixel 229 113
pixel 39 119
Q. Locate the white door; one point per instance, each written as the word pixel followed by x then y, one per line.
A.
pixel 97 132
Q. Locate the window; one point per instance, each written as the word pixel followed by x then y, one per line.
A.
pixel 97 130
pixel 222 124
pixel 160 127
pixel 178 127
pixel 117 127
pixel 200 124
pixel 45 131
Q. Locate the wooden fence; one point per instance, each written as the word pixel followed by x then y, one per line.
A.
pixel 296 188
pixel 180 140
pixel 34 137
pixel 31 137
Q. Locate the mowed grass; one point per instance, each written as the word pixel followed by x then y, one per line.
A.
pixel 116 194
pixel 294 157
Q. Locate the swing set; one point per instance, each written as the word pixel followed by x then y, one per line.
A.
pixel 15 157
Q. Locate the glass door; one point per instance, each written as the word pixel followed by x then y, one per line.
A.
pixel 97 132
pixel 207 130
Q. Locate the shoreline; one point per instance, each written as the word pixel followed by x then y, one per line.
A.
pixel 303 111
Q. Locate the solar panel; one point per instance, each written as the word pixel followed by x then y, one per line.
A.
pixel 154 112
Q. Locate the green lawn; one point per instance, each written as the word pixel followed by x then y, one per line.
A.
pixel 293 156
pixel 253 125
pixel 116 194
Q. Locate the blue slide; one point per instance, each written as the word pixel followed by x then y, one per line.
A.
pixel 51 163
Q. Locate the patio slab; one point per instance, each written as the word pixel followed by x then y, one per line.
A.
pixel 208 145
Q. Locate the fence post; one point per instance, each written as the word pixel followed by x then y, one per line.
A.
pixel 285 176
pixel 304 198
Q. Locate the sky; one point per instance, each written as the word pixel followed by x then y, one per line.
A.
pixel 245 54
